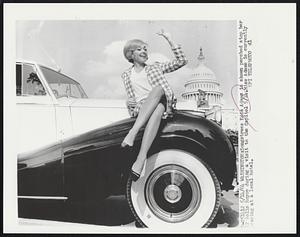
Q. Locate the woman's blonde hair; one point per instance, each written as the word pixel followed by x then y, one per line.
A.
pixel 130 46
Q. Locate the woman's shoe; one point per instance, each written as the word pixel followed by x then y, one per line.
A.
pixel 127 143
pixel 134 175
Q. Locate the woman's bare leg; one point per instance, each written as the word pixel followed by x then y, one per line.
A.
pixel 148 137
pixel 145 112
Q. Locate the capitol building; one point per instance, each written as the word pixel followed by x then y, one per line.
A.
pixel 203 82
pixel 203 93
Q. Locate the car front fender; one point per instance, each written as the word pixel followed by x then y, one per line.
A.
pixel 204 138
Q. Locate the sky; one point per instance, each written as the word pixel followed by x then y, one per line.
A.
pixel 91 52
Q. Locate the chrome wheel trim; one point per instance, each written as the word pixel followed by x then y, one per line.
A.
pixel 173 194
pixel 210 191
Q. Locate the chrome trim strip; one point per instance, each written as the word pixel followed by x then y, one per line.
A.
pixel 44 197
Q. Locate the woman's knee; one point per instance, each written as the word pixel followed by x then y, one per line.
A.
pixel 158 91
pixel 157 113
pixel 160 109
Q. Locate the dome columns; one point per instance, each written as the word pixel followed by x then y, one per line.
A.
pixel 211 97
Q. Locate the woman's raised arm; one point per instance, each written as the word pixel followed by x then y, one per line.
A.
pixel 180 59
pixel 168 37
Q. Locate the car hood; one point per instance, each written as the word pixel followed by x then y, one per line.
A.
pixel 93 103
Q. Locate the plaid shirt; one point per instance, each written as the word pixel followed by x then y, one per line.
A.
pixel 155 74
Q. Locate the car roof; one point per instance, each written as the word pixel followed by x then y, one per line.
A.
pixel 34 62
pixel 42 65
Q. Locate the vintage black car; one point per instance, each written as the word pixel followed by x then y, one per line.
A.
pixel 189 163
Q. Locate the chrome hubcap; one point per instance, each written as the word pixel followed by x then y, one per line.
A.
pixel 172 193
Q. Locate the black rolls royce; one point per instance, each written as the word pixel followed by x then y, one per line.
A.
pixel 190 161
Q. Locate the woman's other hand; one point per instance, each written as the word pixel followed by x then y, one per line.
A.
pixel 164 34
pixel 168 113
pixel 133 113
pixel 168 37
pixel 131 104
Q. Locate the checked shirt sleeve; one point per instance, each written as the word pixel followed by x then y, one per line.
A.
pixel 128 86
pixel 131 102
pixel 167 67
pixel 157 78
pixel 179 61
pixel 168 91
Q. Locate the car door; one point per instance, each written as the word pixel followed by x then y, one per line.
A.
pixel 35 110
pixel 40 160
pixel 57 84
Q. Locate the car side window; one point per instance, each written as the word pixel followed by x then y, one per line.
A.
pixel 28 82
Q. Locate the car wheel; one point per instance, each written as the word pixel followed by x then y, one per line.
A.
pixel 175 187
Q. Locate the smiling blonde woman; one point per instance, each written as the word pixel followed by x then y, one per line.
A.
pixel 150 98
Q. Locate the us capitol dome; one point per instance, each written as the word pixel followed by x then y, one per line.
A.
pixel 203 94
pixel 202 87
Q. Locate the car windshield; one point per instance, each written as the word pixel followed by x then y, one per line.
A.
pixel 61 85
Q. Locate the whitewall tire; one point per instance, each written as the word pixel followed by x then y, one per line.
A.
pixel 176 189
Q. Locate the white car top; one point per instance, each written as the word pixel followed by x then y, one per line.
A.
pixel 52 107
